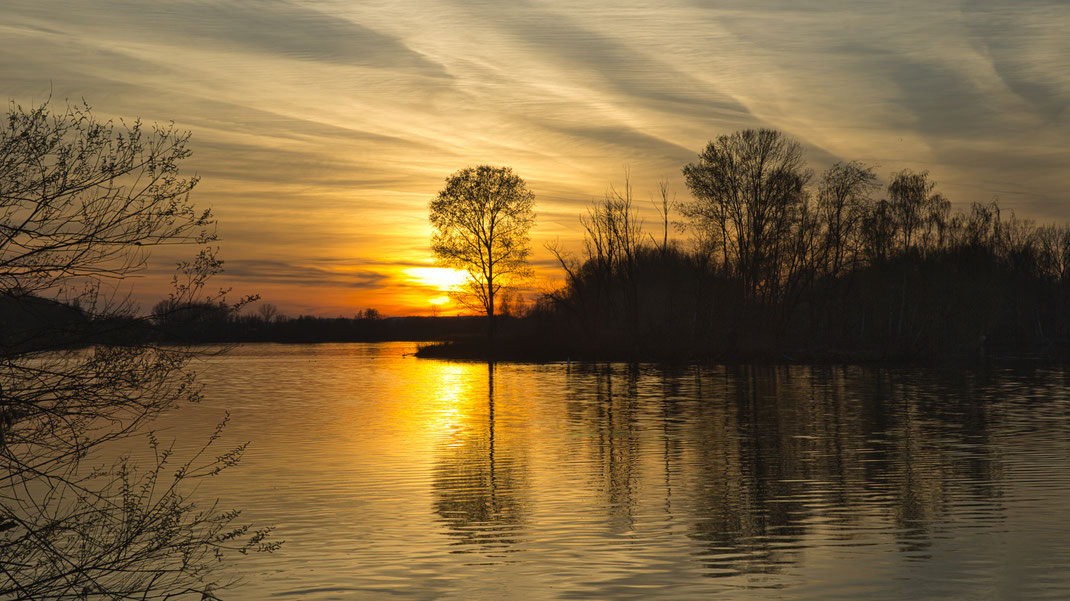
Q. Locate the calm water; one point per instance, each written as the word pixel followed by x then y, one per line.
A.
pixel 391 477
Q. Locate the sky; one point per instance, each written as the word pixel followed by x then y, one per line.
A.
pixel 322 129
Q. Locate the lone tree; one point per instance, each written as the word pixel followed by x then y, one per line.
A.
pixel 480 223
pixel 81 202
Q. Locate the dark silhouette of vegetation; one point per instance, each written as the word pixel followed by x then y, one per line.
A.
pixel 47 323
pixel 81 203
pixel 480 223
pixel 208 322
pixel 789 266
pixel 750 209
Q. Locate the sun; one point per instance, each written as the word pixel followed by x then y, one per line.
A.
pixel 441 300
pixel 439 278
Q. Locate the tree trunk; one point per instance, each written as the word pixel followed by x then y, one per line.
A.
pixel 490 315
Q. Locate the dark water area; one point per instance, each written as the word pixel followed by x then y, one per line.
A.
pixel 391 477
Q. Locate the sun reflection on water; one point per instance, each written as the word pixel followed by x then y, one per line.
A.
pixel 459 392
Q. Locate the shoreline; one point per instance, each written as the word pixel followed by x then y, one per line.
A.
pixel 511 353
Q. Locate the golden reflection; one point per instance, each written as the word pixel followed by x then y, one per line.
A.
pixel 479 478
pixel 458 394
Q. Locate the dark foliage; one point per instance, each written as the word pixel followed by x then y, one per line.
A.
pixel 215 323
pixel 783 270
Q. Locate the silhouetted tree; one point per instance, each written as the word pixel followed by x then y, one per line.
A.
pixel 668 204
pixel 81 202
pixel 613 231
pixel 267 312
pixel 919 214
pixel 748 189
pixel 480 223
pixel 370 314
pixel 843 199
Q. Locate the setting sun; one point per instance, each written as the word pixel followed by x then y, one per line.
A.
pixel 438 278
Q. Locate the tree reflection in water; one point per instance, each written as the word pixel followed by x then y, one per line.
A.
pixel 747 467
pixel 759 460
pixel 478 483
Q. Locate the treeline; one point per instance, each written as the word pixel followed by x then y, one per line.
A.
pixel 784 264
pixel 29 323
pixel 208 322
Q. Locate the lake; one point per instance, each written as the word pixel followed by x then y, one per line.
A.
pixel 391 477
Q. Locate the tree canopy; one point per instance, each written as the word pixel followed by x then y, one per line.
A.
pixel 748 189
pixel 480 225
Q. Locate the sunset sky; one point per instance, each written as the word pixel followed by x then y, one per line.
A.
pixel 322 129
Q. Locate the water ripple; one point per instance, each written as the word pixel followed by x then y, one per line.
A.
pixel 394 477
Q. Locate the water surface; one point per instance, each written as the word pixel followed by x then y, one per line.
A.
pixel 391 477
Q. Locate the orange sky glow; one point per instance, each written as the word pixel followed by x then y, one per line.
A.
pixel 321 129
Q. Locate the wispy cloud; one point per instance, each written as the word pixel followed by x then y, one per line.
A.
pixel 280 272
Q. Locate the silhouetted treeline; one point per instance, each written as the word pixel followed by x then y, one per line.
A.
pixel 206 322
pixel 787 265
pixel 30 323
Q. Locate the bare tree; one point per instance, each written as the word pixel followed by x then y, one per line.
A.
pixel 920 214
pixel 843 198
pixel 666 206
pixel 480 224
pixel 267 312
pixel 613 232
pixel 81 203
pixel 748 189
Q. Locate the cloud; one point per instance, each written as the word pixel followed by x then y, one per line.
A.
pixel 1028 49
pixel 269 27
pixel 281 272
